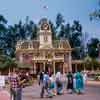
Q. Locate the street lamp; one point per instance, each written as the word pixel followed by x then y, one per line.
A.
pixel 98 46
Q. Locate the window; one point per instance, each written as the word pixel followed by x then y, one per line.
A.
pixel 45 38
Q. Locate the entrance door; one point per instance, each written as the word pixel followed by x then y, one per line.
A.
pixel 39 67
pixel 59 67
pixel 49 68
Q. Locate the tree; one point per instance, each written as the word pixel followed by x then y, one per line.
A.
pixel 62 31
pixel 68 31
pixel 21 30
pixel 92 48
pixel 96 13
pixel 11 41
pixel 30 29
pixel 3 27
pixel 6 61
pixel 34 31
pixel 75 40
pixel 59 20
pixel 17 32
pixel 53 30
pixel 3 31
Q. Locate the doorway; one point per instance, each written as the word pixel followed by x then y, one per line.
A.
pixel 59 67
pixel 39 67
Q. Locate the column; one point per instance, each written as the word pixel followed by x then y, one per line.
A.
pixel 69 62
pixel 44 66
pixel 75 67
pixel 21 58
pixel 34 68
pixel 54 67
pixel 64 68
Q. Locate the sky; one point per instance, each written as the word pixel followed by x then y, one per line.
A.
pixel 15 10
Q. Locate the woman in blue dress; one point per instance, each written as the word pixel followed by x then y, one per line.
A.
pixel 79 82
pixel 51 87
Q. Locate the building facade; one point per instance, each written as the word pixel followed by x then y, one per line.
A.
pixel 44 53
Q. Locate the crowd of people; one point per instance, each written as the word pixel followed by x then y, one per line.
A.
pixel 60 83
pixel 51 84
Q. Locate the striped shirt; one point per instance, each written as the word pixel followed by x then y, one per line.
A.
pixel 14 81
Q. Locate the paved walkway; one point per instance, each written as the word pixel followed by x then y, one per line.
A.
pixel 92 92
pixel 93 82
pixel 4 95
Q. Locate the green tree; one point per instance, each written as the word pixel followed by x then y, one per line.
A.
pixel 53 30
pixel 10 41
pixel 6 61
pixel 62 31
pixel 17 32
pixel 92 48
pixel 68 31
pixel 34 31
pixel 21 30
pixel 3 28
pixel 96 13
pixel 65 31
pixel 30 29
pixel 3 31
pixel 75 40
pixel 59 20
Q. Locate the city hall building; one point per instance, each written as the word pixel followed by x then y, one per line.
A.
pixel 44 53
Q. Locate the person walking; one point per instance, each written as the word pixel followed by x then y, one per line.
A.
pixel 52 86
pixel 79 82
pixel 22 78
pixel 41 78
pixel 70 82
pixel 59 84
pixel 74 82
pixel 15 85
pixel 44 86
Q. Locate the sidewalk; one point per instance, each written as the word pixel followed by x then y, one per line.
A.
pixel 93 82
pixel 4 95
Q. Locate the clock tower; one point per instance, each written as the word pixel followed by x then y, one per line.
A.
pixel 45 34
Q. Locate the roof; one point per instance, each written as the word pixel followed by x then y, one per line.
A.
pixel 35 44
pixel 62 44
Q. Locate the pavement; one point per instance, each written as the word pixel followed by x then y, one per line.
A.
pixel 91 92
pixel 4 95
pixel 93 82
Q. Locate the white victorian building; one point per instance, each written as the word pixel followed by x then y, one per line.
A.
pixel 44 53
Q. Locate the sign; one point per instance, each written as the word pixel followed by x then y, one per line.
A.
pixel 2 81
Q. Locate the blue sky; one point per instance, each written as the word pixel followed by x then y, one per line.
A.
pixel 14 10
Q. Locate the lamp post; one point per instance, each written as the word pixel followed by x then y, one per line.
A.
pixel 98 46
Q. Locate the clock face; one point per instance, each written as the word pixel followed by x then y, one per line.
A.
pixel 45 26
